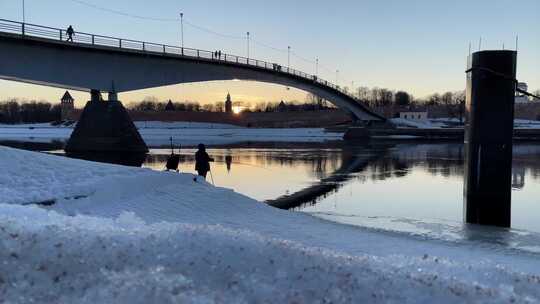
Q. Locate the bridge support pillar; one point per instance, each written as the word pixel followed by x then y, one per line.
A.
pixel 488 137
pixel 105 126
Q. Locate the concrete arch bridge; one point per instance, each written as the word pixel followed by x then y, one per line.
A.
pixel 41 55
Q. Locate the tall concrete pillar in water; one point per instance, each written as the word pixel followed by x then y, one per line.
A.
pixel 488 137
pixel 105 126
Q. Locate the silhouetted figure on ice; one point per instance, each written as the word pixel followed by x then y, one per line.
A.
pixel 202 161
pixel 70 33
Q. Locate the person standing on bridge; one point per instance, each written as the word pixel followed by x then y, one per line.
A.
pixel 70 33
pixel 202 161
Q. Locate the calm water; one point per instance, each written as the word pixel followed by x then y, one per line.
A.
pixel 404 186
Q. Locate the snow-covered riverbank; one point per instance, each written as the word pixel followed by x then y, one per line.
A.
pixel 157 133
pixel 132 235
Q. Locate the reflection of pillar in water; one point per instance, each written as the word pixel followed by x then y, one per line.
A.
pixel 518 177
pixel 228 162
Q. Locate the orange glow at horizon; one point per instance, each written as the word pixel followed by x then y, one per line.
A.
pixel 246 92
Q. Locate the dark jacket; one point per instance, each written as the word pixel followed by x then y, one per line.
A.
pixel 202 161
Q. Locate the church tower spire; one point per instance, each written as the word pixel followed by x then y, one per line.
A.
pixel 228 104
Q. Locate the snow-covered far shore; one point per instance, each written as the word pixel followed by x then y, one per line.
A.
pixel 157 133
pixel 132 235
pixel 437 123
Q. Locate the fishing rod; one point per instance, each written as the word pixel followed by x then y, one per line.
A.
pixel 212 177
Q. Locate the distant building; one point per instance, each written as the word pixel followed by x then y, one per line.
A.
pixel 414 115
pixel 228 104
pixel 521 98
pixel 169 106
pixel 67 106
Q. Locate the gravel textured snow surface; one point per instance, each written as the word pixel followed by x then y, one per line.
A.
pixel 132 235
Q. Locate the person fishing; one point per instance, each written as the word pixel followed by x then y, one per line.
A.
pixel 202 161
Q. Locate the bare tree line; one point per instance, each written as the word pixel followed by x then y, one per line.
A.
pixel 13 111
pixel 381 97
pixel 152 103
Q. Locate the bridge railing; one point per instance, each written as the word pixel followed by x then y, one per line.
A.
pixel 45 32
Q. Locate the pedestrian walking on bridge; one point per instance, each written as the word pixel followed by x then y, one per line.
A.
pixel 70 32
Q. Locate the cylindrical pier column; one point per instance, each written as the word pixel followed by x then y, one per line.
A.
pixel 488 137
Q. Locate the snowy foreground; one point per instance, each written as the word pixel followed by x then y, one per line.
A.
pixel 132 235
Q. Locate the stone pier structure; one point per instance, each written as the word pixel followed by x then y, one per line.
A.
pixel 105 126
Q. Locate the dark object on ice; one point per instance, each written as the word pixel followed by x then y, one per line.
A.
pixel 173 160
pixel 202 161
pixel 41 203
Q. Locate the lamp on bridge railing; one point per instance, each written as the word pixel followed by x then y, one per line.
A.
pixel 317 67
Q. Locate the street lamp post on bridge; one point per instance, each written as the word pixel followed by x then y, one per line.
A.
pixel 23 12
pixel 288 57
pixel 182 29
pixel 247 46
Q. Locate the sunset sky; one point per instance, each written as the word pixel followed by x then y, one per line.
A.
pixel 417 46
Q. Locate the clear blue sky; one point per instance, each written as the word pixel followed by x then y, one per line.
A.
pixel 419 46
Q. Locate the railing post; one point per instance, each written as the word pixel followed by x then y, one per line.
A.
pixel 23 30
pixel 164 52
pixel 236 59
pixel 198 54
pixel 143 46
pixel 182 51
pixel 120 43
pixel 92 39
pixel 61 38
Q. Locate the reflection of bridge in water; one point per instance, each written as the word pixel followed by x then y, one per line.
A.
pixel 383 161
pixel 352 162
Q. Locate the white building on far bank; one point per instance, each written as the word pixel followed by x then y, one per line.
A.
pixel 521 98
